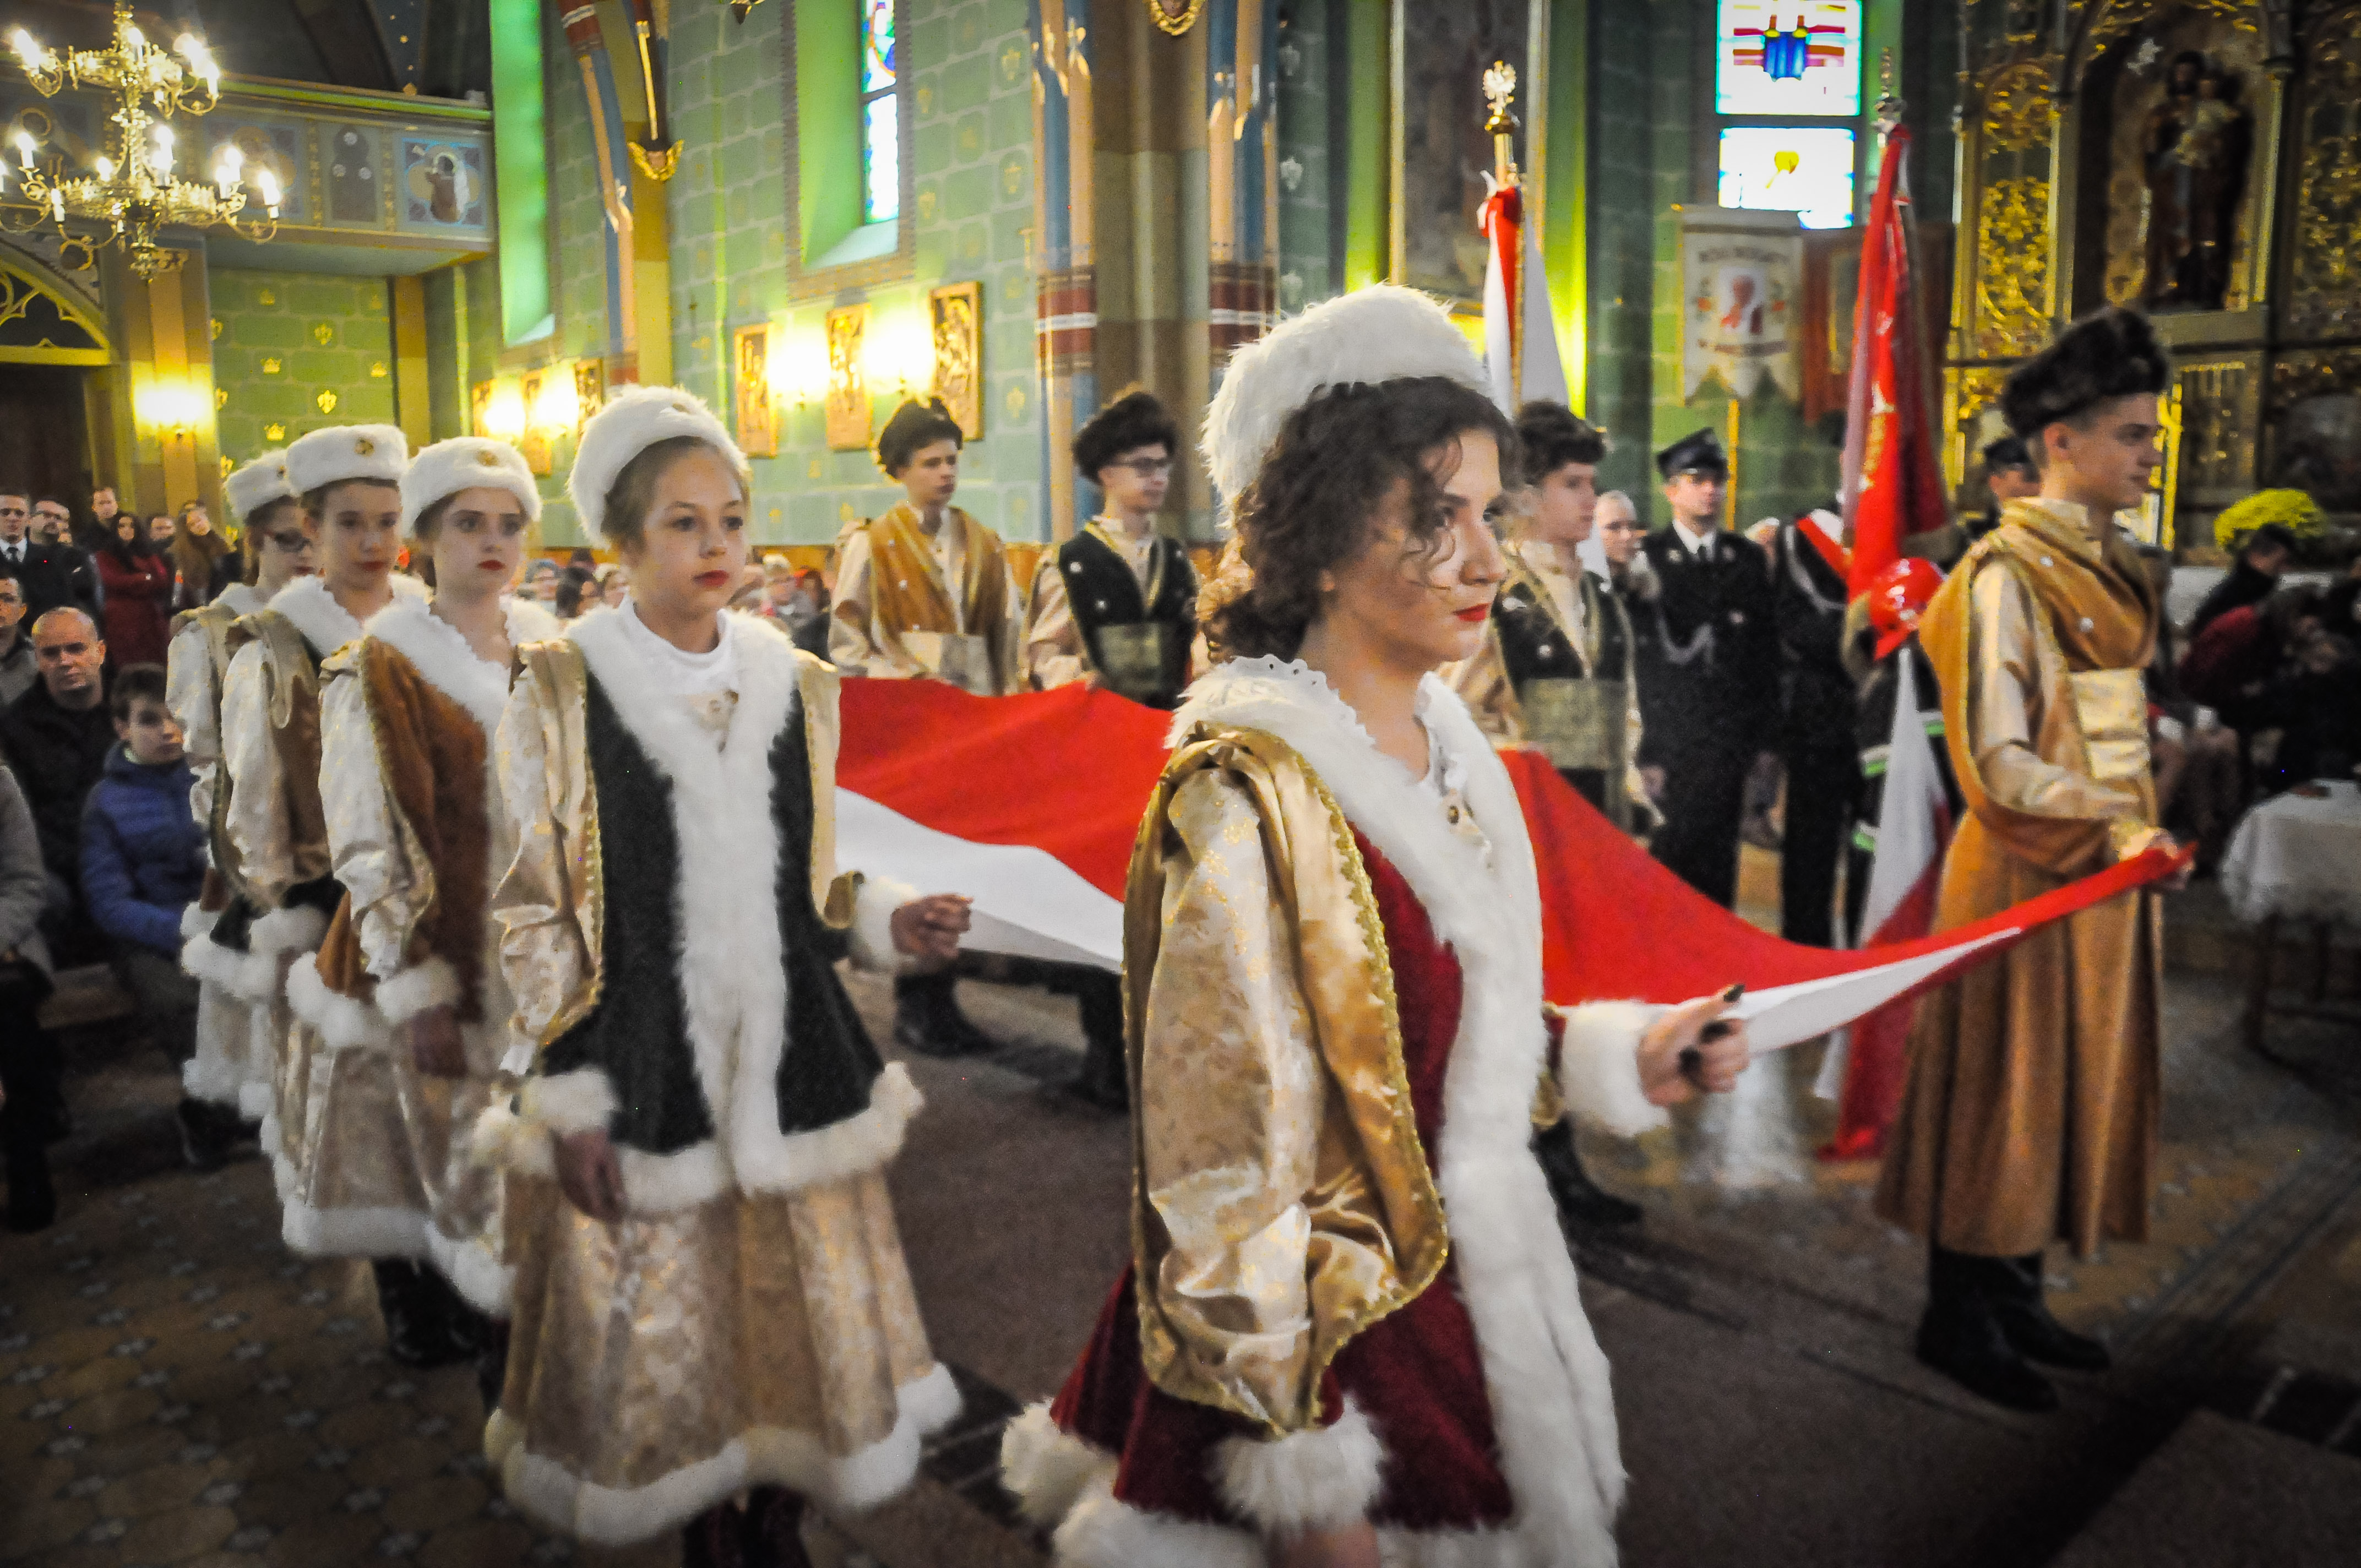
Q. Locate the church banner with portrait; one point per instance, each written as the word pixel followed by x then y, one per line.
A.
pixel 1741 313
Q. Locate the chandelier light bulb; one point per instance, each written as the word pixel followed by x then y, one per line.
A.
pixel 162 158
pixel 106 166
pixel 134 40
pixel 269 184
pixel 24 139
pixel 29 50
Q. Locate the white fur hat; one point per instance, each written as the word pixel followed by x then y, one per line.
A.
pixel 342 452
pixel 255 485
pixel 1382 332
pixel 634 420
pixel 466 463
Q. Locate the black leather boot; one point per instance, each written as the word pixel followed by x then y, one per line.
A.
pixel 2024 1319
pixel 928 1020
pixel 1101 1082
pixel 416 1334
pixel 203 1146
pixel 715 1539
pixel 1961 1334
pixel 775 1524
pixel 1581 1203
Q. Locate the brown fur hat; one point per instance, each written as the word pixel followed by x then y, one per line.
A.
pixel 2113 353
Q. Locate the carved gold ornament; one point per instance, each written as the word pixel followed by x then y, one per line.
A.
pixel 846 408
pixel 2018 108
pixel 324 335
pixel 270 366
pixel 2326 268
pixel 274 432
pixel 1175 17
pixel 956 315
pixel 327 403
pixel 2013 268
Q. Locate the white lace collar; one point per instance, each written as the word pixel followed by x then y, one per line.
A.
pixel 1446 772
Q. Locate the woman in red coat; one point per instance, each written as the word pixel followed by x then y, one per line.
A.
pixel 137 580
pixel 1348 1335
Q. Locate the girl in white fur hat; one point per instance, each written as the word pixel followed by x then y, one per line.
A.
pixel 232 1072
pixel 709 1294
pixel 1348 1334
pixel 407 990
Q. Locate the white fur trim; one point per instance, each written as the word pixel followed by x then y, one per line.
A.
pixel 1105 1532
pixel 873 924
pixel 1552 1404
pixel 466 463
pixel 481 1277
pixel 353 1233
pixel 438 651
pixel 316 614
pixel 860 1143
pixel 528 623
pixel 405 993
pixel 507 1141
pixel 298 928
pixel 615 1515
pixel 670 1183
pixel 1599 1066
pixel 727 914
pixel 635 418
pixel 582 1100
pixel 257 484
pixel 344 1024
pixel 255 1101
pixel 1047 1468
pixel 1322 1478
pixel 209 1078
pixel 1380 333
pixel 342 452
pixel 196 921
pixel 243 598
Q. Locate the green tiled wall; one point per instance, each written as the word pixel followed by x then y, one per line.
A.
pixel 1307 263
pixel 282 338
pixel 973 152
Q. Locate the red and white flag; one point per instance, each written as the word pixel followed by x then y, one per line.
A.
pixel 1912 830
pixel 1520 337
pixel 1893 481
pixel 1029 805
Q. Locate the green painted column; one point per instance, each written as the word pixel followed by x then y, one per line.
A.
pixel 521 176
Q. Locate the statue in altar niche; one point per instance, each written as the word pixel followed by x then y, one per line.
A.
pixel 2194 149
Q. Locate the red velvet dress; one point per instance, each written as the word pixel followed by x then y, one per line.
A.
pixel 138 606
pixel 1415 1373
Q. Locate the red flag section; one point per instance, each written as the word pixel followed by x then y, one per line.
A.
pixel 1893 481
pixel 1029 805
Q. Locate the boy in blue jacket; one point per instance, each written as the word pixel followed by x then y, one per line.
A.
pixel 143 862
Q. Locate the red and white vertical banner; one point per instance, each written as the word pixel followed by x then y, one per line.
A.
pixel 1892 480
pixel 1914 828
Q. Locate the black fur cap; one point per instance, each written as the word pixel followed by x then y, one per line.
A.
pixel 2110 353
pixel 1136 419
pixel 915 425
pixel 1554 435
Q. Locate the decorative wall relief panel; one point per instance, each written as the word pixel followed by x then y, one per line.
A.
pixel 955 314
pixel 847 409
pixel 349 158
pixel 758 427
pixel 2324 269
pixel 2013 268
pixel 2221 416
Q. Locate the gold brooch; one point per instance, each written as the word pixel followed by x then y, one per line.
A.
pixel 488 459
pixel 364 447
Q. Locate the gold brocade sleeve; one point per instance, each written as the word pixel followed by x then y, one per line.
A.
pixel 1230 1095
pixel 1054 655
pixel 545 953
pixel 1282 1199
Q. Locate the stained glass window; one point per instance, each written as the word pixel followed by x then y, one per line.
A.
pixel 1804 170
pixel 1788 56
pixel 880 141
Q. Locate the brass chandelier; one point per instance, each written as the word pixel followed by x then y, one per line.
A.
pixel 134 194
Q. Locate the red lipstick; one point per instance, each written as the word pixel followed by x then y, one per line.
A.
pixel 711 579
pixel 1476 614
